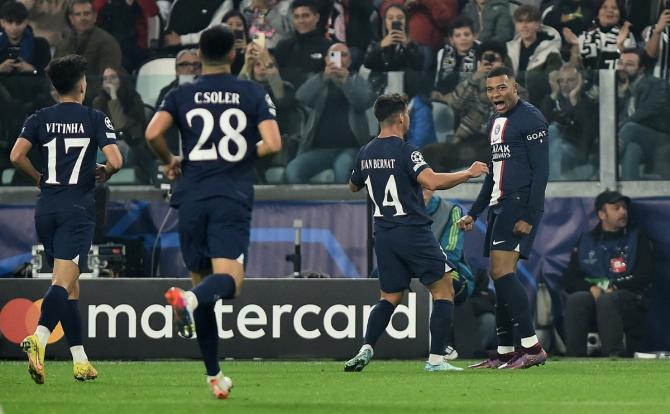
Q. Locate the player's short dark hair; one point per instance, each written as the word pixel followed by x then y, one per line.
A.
pixel 389 105
pixel 501 71
pixel 490 46
pixel 216 42
pixel 527 11
pixel 65 72
pixel 310 4
pixel 13 11
pixel 458 23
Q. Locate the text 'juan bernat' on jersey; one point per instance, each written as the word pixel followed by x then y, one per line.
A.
pixel 67 136
pixel 389 168
pixel 218 117
pixel 519 160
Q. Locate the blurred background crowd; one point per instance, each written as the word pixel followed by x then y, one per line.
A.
pixel 323 62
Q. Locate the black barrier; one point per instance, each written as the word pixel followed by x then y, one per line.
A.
pixel 287 318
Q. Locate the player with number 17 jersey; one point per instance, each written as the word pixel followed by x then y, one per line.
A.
pixel 218 116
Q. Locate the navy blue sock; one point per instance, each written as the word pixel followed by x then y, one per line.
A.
pixel 504 327
pixel 208 336
pixel 440 325
pixel 514 295
pixel 53 306
pixel 380 316
pixel 71 321
pixel 214 287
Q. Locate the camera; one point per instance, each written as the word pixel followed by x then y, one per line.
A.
pixel 238 34
pixel 489 57
pixel 13 52
pixel 396 25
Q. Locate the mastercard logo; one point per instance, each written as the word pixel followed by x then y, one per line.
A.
pixel 19 317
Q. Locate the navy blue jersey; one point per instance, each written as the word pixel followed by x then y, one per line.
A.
pixel 218 117
pixel 68 136
pixel 519 160
pixel 388 167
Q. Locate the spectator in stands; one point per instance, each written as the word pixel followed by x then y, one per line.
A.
pixel 458 57
pixel 238 24
pixel 426 19
pixel 187 67
pixel 445 215
pixel 573 126
pixel 492 18
pixel 332 141
pixel 352 24
pixel 119 100
pixel 609 272
pixel 600 47
pixel 186 20
pixel 644 114
pixel 575 15
pixel 535 51
pixel 262 68
pixel 20 50
pixel 657 39
pixel 303 53
pixel 127 21
pixel 472 109
pixel 396 51
pixel 99 48
pixel 48 19
pixel 272 18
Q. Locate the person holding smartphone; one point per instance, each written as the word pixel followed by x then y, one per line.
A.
pixel 235 20
pixel 20 50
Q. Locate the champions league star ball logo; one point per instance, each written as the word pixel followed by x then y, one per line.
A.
pixel 108 123
pixel 273 109
pixel 416 157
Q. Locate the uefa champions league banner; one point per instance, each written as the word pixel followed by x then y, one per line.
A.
pixel 290 318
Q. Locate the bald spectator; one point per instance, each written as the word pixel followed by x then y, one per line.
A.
pixel 99 48
pixel 331 142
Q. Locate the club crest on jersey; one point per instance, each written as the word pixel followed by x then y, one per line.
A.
pixel 417 159
pixel 498 131
pixel 108 123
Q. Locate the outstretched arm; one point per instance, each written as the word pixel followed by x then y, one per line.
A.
pixel 431 180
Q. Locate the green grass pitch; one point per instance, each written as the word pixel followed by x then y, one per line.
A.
pixel 561 386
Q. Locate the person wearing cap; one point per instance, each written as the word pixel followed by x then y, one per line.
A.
pixel 609 272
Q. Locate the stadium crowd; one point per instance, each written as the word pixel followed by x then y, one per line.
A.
pixel 334 56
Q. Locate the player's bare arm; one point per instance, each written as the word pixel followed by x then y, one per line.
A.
pixel 270 138
pixel 431 180
pixel 155 136
pixel 19 157
pixel 113 164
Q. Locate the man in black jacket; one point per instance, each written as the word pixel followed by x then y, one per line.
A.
pixel 304 52
pixel 609 271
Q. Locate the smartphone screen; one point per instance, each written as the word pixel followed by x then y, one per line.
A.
pixel 396 25
pixel 238 34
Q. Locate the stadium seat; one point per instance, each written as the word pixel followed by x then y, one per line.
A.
pixel 153 76
pixel 443 118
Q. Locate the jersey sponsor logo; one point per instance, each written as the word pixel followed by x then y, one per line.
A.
pixel 500 152
pixel 537 135
pixel 108 123
pixel 217 97
pixel 498 131
pixel 417 159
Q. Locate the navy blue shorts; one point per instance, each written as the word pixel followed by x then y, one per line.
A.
pixel 499 231
pixel 66 235
pixel 213 228
pixel 404 252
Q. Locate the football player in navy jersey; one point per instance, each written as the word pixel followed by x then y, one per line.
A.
pixel 67 136
pixel 394 173
pixel 514 193
pixel 225 124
